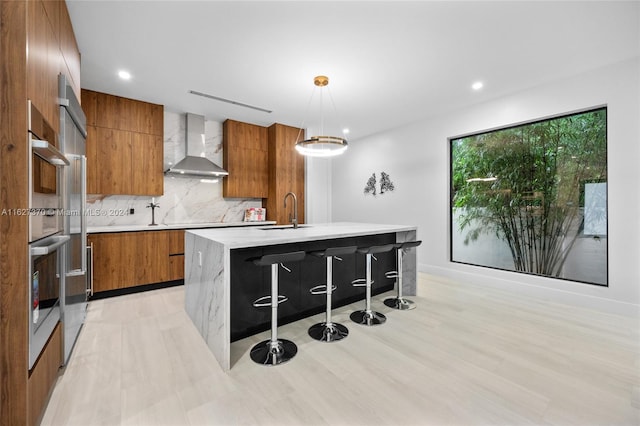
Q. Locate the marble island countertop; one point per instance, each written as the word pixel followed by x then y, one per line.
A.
pixel 263 236
pixel 165 226
pixel 215 262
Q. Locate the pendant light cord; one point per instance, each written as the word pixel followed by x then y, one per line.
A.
pixel 335 111
pixel 306 113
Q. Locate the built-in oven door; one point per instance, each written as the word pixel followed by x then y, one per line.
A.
pixel 44 291
pixel 45 177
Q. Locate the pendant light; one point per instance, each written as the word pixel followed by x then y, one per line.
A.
pixel 322 146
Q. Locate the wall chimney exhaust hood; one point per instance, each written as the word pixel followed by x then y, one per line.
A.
pixel 195 166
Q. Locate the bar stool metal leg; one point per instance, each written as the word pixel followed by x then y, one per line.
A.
pixel 274 351
pixel 399 302
pixel 328 331
pixel 367 316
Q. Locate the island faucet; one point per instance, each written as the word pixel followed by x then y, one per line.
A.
pixel 294 221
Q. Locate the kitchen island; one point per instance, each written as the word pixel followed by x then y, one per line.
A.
pixel 221 282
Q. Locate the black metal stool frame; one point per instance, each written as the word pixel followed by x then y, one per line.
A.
pixel 399 302
pixel 329 331
pixel 274 351
pixel 367 316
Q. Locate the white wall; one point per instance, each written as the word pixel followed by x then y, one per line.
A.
pixel 417 159
pixel 317 194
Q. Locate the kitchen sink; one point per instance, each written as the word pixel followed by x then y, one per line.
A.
pixel 278 227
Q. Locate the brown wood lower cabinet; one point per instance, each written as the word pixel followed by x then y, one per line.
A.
pixel 129 259
pixel 43 376
pixel 176 254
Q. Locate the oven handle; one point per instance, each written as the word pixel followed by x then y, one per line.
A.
pixel 48 152
pixel 58 241
pixel 89 288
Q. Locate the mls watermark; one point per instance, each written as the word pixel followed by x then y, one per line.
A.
pixel 63 212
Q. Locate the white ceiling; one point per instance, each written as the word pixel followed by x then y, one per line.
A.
pixel 389 63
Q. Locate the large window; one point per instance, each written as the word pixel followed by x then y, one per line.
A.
pixel 532 198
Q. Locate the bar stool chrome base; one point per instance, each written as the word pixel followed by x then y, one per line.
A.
pixel 364 317
pixel 328 332
pixel 267 353
pixel 400 303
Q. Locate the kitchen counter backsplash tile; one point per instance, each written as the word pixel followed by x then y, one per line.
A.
pixel 184 200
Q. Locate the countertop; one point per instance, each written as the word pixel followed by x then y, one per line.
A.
pixel 165 227
pixel 256 237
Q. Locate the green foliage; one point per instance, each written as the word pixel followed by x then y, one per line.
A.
pixel 523 185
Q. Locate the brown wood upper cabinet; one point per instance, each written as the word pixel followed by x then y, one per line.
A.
pixel 52 49
pixel 245 157
pixel 262 163
pixel 115 112
pixel 44 63
pixel 124 145
pixel 70 65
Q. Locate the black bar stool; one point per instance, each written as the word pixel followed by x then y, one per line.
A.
pixel 329 331
pixel 400 302
pixel 367 316
pixel 274 351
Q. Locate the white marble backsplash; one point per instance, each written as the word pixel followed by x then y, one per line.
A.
pixel 184 200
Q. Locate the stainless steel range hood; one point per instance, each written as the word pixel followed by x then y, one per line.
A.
pixel 195 166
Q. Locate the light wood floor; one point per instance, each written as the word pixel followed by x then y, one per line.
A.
pixel 465 356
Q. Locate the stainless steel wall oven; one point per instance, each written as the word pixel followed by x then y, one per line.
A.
pixel 44 290
pixel 46 236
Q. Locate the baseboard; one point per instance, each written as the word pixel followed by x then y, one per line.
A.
pixel 601 304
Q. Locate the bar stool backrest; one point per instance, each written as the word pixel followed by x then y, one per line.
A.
pixel 408 244
pixel 339 251
pixel 270 259
pixel 376 249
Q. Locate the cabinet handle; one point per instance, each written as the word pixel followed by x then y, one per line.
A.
pixel 89 288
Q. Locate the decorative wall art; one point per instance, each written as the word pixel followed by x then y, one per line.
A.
pixel 532 198
pixel 385 184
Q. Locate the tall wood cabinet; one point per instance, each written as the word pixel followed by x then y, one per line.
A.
pixel 124 145
pixel 286 173
pixel 37 44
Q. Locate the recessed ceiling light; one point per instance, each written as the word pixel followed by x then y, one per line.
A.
pixel 477 85
pixel 125 75
pixel 345 131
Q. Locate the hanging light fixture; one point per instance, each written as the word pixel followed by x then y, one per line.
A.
pixel 322 146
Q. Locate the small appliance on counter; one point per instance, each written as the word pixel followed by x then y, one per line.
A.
pixel 255 214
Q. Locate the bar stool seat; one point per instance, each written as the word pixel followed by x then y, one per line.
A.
pixel 367 316
pixel 400 302
pixel 329 331
pixel 274 351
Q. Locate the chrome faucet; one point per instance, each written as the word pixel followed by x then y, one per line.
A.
pixel 153 205
pixel 294 221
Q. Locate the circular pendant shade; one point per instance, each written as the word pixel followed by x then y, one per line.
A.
pixel 322 146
